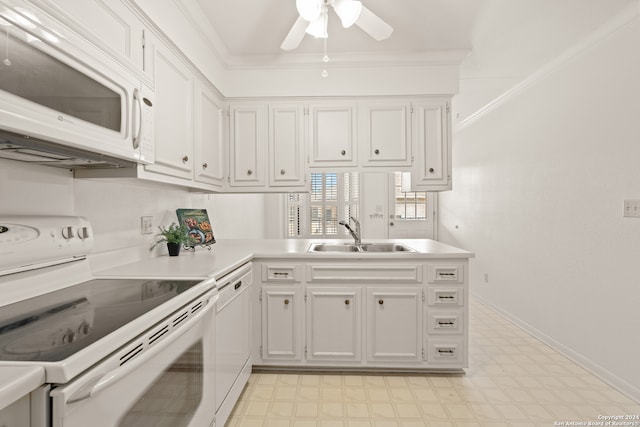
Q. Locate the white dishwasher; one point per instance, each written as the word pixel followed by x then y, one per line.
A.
pixel 233 339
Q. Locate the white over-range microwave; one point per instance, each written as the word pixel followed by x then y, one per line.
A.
pixel 62 101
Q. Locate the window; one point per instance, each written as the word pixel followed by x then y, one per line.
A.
pixel 409 205
pixel 334 197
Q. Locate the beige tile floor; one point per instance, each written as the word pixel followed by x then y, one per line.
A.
pixel 513 380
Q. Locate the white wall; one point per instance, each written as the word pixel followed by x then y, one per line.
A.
pixel 115 207
pixel 538 191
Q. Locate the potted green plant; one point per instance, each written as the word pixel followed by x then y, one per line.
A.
pixel 175 236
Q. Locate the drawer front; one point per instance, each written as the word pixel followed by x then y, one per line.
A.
pixel 451 352
pixel 446 296
pixel 369 273
pixel 281 273
pixel 440 322
pixel 446 273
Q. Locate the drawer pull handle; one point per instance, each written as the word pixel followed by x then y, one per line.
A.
pixel 286 302
pixel 446 297
pixel 279 274
pixel 447 351
pixel 380 301
pixel 237 285
pixel 446 323
pixel 347 302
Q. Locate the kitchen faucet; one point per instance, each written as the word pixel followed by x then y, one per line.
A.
pixel 355 234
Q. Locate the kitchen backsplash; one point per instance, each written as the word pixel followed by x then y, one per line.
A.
pixel 115 207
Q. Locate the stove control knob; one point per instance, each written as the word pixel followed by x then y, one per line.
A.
pixel 83 233
pixel 67 233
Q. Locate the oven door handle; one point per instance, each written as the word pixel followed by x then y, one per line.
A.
pixel 95 385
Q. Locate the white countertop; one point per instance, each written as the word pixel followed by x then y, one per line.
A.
pixel 226 255
pixel 18 381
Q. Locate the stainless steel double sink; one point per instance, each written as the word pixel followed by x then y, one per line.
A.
pixel 361 247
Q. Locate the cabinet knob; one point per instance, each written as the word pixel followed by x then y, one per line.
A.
pixel 249 172
pixel 286 302
pixel 431 170
pixel 282 172
pixel 376 151
pixel 185 159
pixel 343 152
pixel 391 224
pixel 205 165
pixel 347 302
pixel 380 301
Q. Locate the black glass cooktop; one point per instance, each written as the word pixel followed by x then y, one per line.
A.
pixel 53 326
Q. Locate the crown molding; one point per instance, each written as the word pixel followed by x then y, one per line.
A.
pixel 625 17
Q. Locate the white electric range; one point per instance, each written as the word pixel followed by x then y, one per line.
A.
pixel 116 352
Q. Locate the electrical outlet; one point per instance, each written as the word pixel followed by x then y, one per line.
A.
pixel 146 224
pixel 631 208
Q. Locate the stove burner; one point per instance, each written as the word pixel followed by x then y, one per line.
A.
pixel 47 330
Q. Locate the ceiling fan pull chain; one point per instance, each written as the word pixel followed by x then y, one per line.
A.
pixel 325 59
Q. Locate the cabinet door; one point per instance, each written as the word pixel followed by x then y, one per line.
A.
pixel 385 133
pixel 332 134
pixel 281 323
pixel 432 147
pixel 286 145
pixel 174 115
pixel 248 146
pixel 208 149
pixel 394 324
pixel 333 323
pixel 17 414
pixel 113 27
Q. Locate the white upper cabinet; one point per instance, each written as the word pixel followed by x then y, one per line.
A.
pixel 385 133
pixel 248 145
pixel 431 169
pixel 286 145
pixel 209 137
pixel 332 134
pixel 112 26
pixel 174 115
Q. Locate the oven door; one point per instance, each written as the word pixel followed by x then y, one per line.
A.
pixel 169 382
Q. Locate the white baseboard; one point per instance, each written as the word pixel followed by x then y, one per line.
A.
pixel 624 387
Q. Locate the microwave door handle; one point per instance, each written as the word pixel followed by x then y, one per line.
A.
pixel 137 97
pixel 92 386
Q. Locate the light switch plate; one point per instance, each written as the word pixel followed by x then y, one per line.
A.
pixel 146 224
pixel 632 208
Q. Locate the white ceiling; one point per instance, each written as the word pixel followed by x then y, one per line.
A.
pixel 501 41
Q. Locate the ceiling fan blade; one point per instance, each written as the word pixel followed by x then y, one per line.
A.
pixel 295 35
pixel 373 25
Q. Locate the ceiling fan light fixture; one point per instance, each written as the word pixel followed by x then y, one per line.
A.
pixel 348 11
pixel 318 27
pixel 310 10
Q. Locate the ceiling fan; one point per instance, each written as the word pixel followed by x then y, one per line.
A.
pixel 314 16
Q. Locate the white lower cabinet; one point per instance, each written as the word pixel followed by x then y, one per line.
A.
pixel 333 317
pixel 281 322
pixel 364 315
pixel 18 414
pixel 394 324
pixel 369 314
